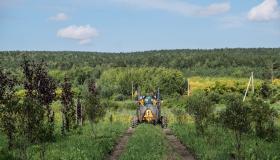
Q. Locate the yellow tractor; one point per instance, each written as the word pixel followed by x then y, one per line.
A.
pixel 149 111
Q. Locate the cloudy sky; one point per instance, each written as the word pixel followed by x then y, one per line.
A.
pixel 137 25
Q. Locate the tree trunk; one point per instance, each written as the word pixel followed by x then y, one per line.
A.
pixel 238 145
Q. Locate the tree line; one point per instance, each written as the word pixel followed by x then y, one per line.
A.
pixel 236 62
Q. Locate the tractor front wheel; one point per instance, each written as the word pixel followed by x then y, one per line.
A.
pixel 134 122
pixel 164 122
pixel 155 122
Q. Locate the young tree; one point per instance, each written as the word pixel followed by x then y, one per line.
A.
pixel 8 107
pixel 31 113
pixel 68 111
pixel 265 90
pixel 45 94
pixel 79 113
pixel 94 110
pixel 40 93
pixel 263 117
pixel 202 109
pixel 237 118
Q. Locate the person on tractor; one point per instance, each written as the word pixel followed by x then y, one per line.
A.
pixel 148 100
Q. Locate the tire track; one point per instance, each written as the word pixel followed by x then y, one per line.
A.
pixel 177 146
pixel 120 147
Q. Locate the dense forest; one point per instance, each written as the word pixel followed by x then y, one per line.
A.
pixel 197 62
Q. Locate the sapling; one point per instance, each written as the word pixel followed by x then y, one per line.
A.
pixel 201 108
pixel 236 117
pixel 68 111
pixel 94 110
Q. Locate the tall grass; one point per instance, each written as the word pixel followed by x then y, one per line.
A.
pixel 147 143
pixel 80 143
pixel 218 143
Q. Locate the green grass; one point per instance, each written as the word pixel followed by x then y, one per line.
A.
pixel 80 143
pixel 3 141
pixel 218 144
pixel 276 106
pixel 147 143
pixel 83 145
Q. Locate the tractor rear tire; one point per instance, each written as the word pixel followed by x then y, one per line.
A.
pixel 134 122
pixel 164 122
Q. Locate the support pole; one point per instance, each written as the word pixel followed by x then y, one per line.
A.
pixel 132 90
pixel 272 73
pixel 82 115
pixel 188 87
pixel 247 88
pixel 253 87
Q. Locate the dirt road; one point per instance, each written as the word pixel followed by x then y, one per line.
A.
pixel 176 147
pixel 119 148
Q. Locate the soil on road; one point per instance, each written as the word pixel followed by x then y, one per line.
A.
pixel 176 147
pixel 120 147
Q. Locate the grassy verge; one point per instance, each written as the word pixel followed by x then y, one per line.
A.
pixel 147 143
pixel 219 144
pixel 80 143
pixel 83 145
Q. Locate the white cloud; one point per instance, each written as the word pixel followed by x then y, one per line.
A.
pixel 59 17
pixel 215 8
pixel 267 10
pixel 180 7
pixel 230 22
pixel 83 34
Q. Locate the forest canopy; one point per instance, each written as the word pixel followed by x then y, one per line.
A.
pixel 237 62
pixel 148 80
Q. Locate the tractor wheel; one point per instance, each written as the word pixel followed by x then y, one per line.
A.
pixel 164 122
pixel 134 122
pixel 155 122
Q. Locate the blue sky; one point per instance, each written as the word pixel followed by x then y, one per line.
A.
pixel 137 25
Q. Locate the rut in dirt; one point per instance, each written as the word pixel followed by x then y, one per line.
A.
pixel 120 147
pixel 177 146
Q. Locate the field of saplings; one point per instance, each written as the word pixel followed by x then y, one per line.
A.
pixel 219 104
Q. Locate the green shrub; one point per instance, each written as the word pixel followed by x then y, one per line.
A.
pixel 265 90
pixel 214 97
pixel 263 117
pixel 119 97
pixel 111 104
pixel 6 155
pixel 180 113
pixel 237 118
pixel 199 106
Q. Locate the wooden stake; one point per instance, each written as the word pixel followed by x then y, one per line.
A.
pixel 188 87
pixel 247 88
pixel 81 115
pixel 253 87
pixel 132 90
pixel 272 74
